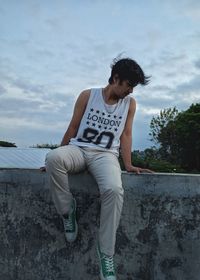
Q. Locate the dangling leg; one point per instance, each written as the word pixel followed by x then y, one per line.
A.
pixel 58 163
pixel 107 172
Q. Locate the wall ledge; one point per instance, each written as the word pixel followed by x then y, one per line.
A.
pixel 158 237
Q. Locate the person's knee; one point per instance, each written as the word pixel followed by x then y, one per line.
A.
pixel 53 158
pixel 115 190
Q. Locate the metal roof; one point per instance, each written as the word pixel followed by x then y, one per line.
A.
pixel 27 158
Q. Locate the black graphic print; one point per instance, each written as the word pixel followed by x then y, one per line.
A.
pixel 97 118
pixel 89 135
pixel 101 128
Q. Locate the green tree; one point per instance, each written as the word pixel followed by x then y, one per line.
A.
pixel 161 121
pixel 163 133
pixel 49 146
pixel 178 136
pixel 7 144
pixel 150 158
pixel 187 145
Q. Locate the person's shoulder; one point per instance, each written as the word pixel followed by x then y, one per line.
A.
pixel 84 95
pixel 92 91
pixel 132 100
pixel 86 92
pixel 132 103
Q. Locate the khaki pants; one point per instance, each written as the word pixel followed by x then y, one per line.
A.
pixel 104 166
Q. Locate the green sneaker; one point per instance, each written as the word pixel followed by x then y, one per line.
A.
pixel 70 224
pixel 107 270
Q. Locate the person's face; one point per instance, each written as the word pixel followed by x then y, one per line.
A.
pixel 122 89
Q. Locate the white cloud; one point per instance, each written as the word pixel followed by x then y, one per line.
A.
pixel 197 63
pixel 2 90
pixel 54 51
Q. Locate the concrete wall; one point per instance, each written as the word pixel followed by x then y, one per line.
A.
pixel 158 237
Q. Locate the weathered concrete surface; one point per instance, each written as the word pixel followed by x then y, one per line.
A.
pixel 158 237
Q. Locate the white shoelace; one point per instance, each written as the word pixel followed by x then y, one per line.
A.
pixel 68 224
pixel 109 263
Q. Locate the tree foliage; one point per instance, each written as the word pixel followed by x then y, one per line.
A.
pixel 150 158
pixel 48 146
pixel 178 136
pixel 187 149
pixel 7 144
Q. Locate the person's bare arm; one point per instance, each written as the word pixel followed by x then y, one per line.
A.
pixel 79 110
pixel 126 141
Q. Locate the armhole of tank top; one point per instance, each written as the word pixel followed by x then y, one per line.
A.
pixel 89 100
pixel 93 95
pixel 128 105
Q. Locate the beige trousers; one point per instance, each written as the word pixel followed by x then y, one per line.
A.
pixel 105 168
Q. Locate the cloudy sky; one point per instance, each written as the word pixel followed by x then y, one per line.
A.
pixel 51 50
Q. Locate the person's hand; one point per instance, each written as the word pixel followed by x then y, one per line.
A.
pixel 138 170
pixel 43 169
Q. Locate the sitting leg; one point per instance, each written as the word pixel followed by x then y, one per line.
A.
pixel 107 172
pixel 58 163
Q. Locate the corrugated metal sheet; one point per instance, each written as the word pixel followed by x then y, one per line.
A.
pixel 28 158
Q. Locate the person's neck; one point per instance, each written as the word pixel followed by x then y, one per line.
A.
pixel 109 95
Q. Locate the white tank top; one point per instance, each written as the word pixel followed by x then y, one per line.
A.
pixel 102 124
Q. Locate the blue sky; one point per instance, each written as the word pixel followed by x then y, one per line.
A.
pixel 51 50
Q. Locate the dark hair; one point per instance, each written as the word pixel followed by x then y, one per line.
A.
pixel 128 69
